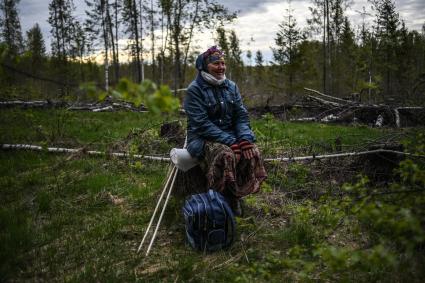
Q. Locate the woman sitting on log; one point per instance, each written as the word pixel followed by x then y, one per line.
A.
pixel 219 132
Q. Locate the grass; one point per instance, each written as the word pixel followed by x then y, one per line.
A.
pixel 78 218
pixel 67 128
pixel 291 138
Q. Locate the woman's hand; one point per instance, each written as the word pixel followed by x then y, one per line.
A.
pixel 237 151
pixel 247 149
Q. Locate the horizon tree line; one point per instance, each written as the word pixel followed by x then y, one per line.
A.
pixel 383 63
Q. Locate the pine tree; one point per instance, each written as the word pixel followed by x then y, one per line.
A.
pixel 345 61
pixel 35 42
pixel 235 57
pixel 411 65
pixel 386 29
pixel 222 40
pixel 286 51
pixel 259 58
pixel 35 45
pixel 259 74
pixel 10 26
pixel 79 47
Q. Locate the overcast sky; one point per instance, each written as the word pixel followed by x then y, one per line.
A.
pixel 257 20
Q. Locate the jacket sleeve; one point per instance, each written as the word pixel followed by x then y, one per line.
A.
pixel 241 119
pixel 196 111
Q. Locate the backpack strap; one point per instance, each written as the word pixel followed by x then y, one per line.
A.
pixel 229 216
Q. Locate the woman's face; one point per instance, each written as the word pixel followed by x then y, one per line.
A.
pixel 217 69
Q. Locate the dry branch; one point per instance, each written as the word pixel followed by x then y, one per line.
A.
pixel 329 96
pixel 324 102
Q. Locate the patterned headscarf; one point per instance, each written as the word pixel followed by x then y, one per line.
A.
pixel 211 55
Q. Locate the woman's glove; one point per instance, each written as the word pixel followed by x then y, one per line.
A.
pixel 247 149
pixel 237 151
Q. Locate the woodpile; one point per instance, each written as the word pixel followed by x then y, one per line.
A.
pixel 319 107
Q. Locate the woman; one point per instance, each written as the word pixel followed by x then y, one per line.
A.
pixel 219 132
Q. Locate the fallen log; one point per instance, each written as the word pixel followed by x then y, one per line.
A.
pixel 161 158
pixel 76 150
pixel 344 154
pixel 95 107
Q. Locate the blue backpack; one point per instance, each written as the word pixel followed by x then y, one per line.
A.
pixel 210 223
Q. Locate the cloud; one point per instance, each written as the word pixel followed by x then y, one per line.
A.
pixel 412 12
pixel 256 19
pixel 32 12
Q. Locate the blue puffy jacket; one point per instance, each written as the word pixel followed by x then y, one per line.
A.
pixel 215 113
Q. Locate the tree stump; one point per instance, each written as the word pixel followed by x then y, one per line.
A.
pixel 173 132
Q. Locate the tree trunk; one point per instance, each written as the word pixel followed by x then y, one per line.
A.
pixel 106 43
pixel 324 48
pixel 328 49
pixel 142 60
pixel 190 38
pixel 153 43
pixel 136 33
pixel 176 36
pixel 117 62
pixel 111 35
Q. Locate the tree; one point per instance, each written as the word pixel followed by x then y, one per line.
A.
pixel 286 51
pixel 410 71
pixel 131 18
pixel 222 40
pixel 235 57
pixel 328 18
pixel 249 56
pixel 62 22
pixel 259 73
pixel 229 44
pixel 185 18
pixel 100 25
pixel 345 67
pixel 35 42
pixel 10 26
pixel 35 45
pixel 318 22
pixel 79 47
pixel 259 59
pixel 386 29
pixel 153 25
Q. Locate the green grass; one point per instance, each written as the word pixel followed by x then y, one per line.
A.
pixel 80 219
pixel 105 129
pixel 68 128
pixel 57 213
pixel 276 137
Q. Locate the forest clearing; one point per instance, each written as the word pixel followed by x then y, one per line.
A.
pixel 76 217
